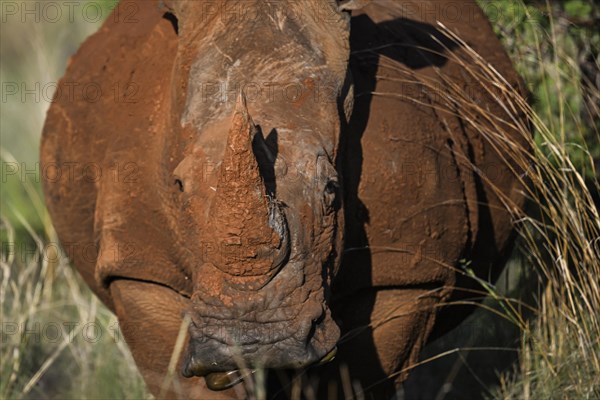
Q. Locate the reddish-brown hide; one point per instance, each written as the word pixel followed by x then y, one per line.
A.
pixel 411 208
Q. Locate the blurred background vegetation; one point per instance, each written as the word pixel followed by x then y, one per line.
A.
pixel 66 344
pixel 540 351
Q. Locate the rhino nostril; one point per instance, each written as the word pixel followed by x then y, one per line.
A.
pixel 179 184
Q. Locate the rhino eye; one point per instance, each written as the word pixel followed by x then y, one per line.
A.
pixel 331 187
pixel 330 194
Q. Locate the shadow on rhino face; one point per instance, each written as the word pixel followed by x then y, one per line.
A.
pixel 415 45
pixel 266 150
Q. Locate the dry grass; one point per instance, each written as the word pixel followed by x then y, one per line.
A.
pixel 559 352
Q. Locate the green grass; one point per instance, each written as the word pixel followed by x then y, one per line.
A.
pixel 48 315
pixel 549 295
pixel 548 43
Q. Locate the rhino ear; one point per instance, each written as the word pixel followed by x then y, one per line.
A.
pixel 349 5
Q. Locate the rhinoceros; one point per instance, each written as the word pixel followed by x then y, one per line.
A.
pixel 287 180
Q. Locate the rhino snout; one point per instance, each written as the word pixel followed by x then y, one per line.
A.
pixel 228 342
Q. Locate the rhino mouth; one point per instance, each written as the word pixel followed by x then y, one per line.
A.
pixel 218 381
pixel 285 325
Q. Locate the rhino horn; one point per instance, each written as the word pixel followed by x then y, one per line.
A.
pixel 249 227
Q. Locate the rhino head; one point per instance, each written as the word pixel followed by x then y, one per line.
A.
pixel 259 105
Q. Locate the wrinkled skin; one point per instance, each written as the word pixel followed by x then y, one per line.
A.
pixel 286 221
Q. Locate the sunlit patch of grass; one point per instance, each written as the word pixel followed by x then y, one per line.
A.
pixel 58 341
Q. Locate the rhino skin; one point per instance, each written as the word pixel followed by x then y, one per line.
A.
pixel 283 224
